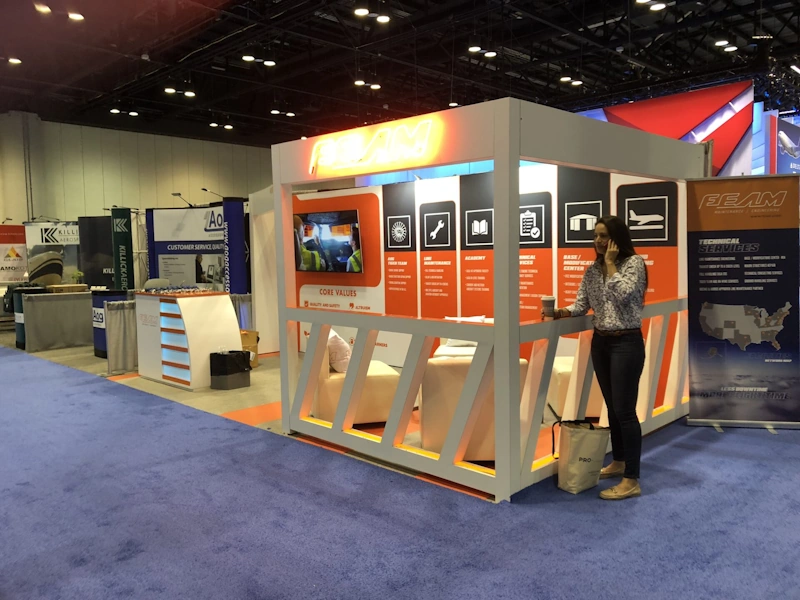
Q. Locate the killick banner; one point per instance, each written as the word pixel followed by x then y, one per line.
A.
pixel 13 254
pixel 744 332
pixel 122 242
pixel 52 252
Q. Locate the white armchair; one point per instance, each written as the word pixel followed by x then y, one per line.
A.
pixel 380 386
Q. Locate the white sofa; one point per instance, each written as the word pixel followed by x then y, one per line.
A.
pixel 375 404
pixel 441 388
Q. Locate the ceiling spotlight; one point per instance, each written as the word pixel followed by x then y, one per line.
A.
pixel 302 137
pixel 565 79
pixel 270 63
pixel 577 82
pixel 731 48
pixel 490 54
pixel 289 114
pixel 227 126
pixel 453 104
pixel 795 68
pixel 474 44
pixel 114 111
pixel 361 9
pixel 248 57
pixel 274 111
pixel 384 18
pixel 42 8
pixel 375 86
pixel 189 94
pixel 642 1
pixel 75 16
pixel 133 113
pixel 14 61
pixel 213 124
pixel 721 43
pixel 360 79
pixel 658 6
pixel 170 89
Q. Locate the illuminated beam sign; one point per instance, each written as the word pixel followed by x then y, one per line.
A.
pixel 384 147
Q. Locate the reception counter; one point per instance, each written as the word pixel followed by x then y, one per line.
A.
pixel 176 334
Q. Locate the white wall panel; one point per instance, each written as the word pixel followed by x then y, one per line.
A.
pixel 112 169
pixel 78 171
pixel 94 188
pixel 72 160
pixel 147 172
pixel 129 163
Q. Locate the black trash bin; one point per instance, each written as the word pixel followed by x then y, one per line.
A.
pixel 19 316
pixel 230 370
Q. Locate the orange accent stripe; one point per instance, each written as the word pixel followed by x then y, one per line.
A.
pixel 477 468
pixel 685 399
pixel 269 355
pixel 454 486
pixel 175 380
pixel 176 365
pixel 164 300
pixel 178 331
pixel 419 451
pixel 175 348
pixel 364 435
pixel 320 422
pixel 170 315
pixel 123 377
pixel 325 445
pixel 542 462
pixel 661 409
pixel 256 415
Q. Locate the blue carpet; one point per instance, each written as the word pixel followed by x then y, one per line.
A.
pixel 107 492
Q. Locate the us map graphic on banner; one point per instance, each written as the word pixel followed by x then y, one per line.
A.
pixel 13 254
pixel 744 332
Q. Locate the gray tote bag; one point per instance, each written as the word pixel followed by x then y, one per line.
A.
pixel 581 450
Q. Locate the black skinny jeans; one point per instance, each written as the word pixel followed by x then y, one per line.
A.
pixel 618 363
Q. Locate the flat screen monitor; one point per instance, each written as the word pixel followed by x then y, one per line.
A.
pixel 328 242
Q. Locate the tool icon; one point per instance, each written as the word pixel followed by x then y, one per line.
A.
pixel 437 230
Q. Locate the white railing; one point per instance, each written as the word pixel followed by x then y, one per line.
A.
pixel 300 387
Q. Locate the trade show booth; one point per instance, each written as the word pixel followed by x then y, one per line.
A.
pixel 409 312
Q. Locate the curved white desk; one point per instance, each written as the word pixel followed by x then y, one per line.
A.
pixel 176 334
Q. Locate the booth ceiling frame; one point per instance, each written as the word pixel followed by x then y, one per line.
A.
pixel 127 51
pixel 505 131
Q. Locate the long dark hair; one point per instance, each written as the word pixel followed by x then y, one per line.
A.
pixel 620 234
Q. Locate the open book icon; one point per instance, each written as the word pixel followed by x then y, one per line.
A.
pixel 480 227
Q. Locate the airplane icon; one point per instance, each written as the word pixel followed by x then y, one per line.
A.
pixel 787 146
pixel 646 221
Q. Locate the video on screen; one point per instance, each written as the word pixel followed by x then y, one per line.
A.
pixel 328 242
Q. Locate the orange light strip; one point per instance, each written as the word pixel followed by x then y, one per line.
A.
pixel 476 468
pixel 384 146
pixel 364 435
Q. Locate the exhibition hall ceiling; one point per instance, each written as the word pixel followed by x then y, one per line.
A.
pixel 267 71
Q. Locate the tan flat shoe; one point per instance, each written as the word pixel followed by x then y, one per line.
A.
pixel 606 473
pixel 613 493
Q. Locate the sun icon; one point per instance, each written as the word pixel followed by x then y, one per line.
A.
pixel 399 231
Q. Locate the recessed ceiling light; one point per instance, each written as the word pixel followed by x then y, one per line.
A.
pixel 490 54
pixel 731 49
pixel 474 48
pixel 795 68
pixel 214 124
pixel 14 61
pixel 42 8
pixel 189 94
pixel 361 12
pixel 577 82
pixel 133 113
pixel 248 57
pixel 383 18
pixel 375 86
pixel 658 6
pixel 289 114
pixel 720 43
pixel 170 90
pixel 228 126
pixel 75 16
pixel 565 79
pixel 114 111
pixel 270 63
pixel 453 104
pixel 274 111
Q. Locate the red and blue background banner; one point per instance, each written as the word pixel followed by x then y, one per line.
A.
pixel 723 114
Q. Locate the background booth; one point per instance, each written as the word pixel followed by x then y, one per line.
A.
pixel 461 262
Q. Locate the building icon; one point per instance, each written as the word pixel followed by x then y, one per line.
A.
pixel 582 222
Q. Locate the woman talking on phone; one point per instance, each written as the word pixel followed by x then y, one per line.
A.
pixel 614 287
